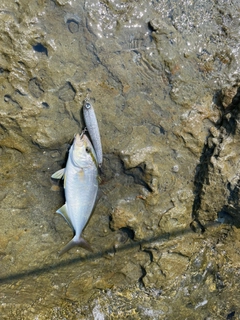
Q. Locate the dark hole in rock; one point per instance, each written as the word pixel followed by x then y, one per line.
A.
pixel 150 28
pixel 162 130
pixel 40 48
pixel 3 71
pixel 144 272
pixel 21 93
pixel 7 97
pixel 128 232
pixel 45 105
pixel 14 105
pixel 231 315
pixel 73 25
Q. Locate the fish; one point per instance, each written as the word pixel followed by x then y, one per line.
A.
pixel 92 127
pixel 80 188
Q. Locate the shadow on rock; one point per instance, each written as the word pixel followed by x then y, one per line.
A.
pixel 215 197
pixel 94 256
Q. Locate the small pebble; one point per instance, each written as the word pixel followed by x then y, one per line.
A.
pixel 175 168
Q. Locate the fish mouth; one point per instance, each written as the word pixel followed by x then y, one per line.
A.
pixel 78 140
pixel 81 140
pixel 78 147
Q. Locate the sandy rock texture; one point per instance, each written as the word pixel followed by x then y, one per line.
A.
pixel 164 81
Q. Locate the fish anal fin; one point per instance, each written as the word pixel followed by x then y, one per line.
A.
pixel 63 212
pixel 80 242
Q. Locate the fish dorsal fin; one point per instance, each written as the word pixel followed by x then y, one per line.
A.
pixel 58 174
pixel 63 212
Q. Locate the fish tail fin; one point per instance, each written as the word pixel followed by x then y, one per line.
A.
pixel 76 242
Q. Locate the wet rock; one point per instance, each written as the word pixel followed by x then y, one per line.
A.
pixel 85 283
pixel 227 96
pixel 164 81
pixel 221 174
pixel 67 92
pixel 72 21
pixel 127 215
pixel 35 88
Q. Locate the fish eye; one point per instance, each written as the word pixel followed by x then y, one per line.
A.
pixel 88 150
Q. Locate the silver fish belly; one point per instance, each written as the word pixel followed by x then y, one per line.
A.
pixel 81 186
pixel 92 127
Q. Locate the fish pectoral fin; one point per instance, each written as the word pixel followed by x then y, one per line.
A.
pixel 76 242
pixel 63 212
pixel 58 174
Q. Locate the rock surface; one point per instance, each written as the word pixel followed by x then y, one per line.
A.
pixel 164 81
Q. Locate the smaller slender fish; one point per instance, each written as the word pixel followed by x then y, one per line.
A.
pixel 92 127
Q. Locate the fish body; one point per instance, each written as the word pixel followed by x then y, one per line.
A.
pixel 92 127
pixel 80 186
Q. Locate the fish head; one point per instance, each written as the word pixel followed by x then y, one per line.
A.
pixel 83 153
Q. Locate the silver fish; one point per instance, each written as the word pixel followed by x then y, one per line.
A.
pixel 92 127
pixel 81 186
